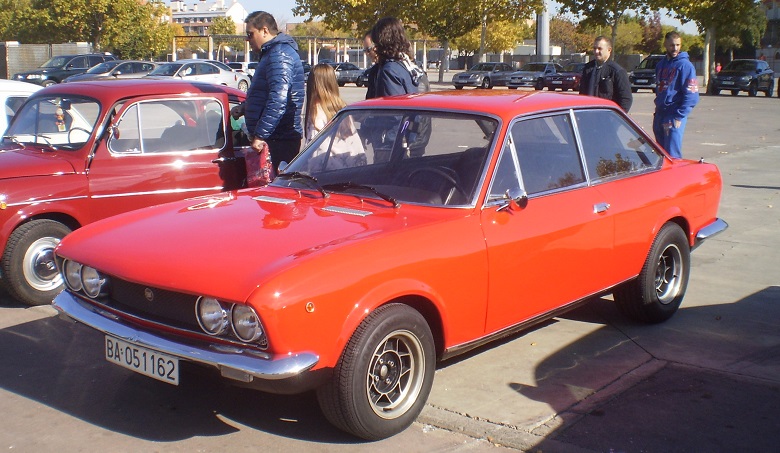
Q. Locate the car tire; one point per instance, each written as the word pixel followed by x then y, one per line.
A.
pixel 715 91
pixel 458 87
pixel 48 83
pixel 29 273
pixel 539 85
pixel 770 90
pixel 486 84
pixel 634 90
pixel 341 84
pixel 655 295
pixel 734 92
pixel 383 378
pixel 512 88
pixel 358 84
pixel 753 89
pixel 243 86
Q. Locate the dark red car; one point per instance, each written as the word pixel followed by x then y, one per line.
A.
pixel 83 151
pixel 567 80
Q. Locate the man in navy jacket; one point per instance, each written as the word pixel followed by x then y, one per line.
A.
pixel 274 102
pixel 604 78
pixel 676 95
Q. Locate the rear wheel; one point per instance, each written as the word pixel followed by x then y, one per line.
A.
pixel 384 375
pixel 655 295
pixel 29 272
pixel 734 92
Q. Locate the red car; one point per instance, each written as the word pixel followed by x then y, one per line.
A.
pixel 412 229
pixel 79 152
pixel 568 79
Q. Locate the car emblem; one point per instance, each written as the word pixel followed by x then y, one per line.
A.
pixel 148 294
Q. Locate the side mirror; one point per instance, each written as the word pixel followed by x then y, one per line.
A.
pixel 515 199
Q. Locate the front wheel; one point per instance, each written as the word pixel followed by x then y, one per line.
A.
pixel 771 90
pixel 243 86
pixel 486 84
pixel 29 272
pixel 384 375
pixel 655 295
pixel 539 85
pixel 753 89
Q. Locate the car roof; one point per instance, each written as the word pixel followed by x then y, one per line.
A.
pixel 504 104
pixel 17 86
pixel 110 90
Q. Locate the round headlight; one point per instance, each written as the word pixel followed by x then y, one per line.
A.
pixel 212 316
pixel 246 324
pixel 72 273
pixel 92 281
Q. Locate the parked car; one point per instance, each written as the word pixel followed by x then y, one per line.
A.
pixel 362 81
pixel 643 76
pixel 201 71
pixel 79 152
pixel 744 75
pixel 532 75
pixel 412 229
pixel 567 79
pixel 56 69
pixel 483 75
pixel 346 73
pixel 114 70
pixel 247 67
pixel 12 96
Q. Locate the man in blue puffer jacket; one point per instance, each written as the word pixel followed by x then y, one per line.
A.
pixel 677 94
pixel 274 102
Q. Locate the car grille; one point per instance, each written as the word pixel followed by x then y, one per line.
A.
pixel 166 307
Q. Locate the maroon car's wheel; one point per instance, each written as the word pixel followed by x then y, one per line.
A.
pixel 656 294
pixel 384 376
pixel 29 272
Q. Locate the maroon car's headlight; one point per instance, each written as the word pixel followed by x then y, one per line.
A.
pixel 212 315
pixel 71 272
pixel 246 324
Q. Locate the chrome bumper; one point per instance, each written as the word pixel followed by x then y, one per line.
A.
pixel 716 227
pixel 233 362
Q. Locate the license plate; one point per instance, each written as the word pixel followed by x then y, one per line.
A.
pixel 148 362
pixel 557 82
pixel 727 82
pixel 641 80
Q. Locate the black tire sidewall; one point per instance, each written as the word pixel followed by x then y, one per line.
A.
pixel 655 310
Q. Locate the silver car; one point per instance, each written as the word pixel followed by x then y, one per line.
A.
pixel 201 71
pixel 532 75
pixel 116 69
pixel 483 75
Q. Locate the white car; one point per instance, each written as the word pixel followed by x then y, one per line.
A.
pixel 209 71
pixel 247 67
pixel 13 94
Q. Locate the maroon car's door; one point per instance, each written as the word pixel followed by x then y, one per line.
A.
pixel 161 150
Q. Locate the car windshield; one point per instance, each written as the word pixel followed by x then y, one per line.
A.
pixel 168 69
pixel 483 67
pixel 534 67
pixel 648 63
pixel 741 65
pixel 574 67
pixel 55 62
pixel 103 68
pixel 56 121
pixel 408 156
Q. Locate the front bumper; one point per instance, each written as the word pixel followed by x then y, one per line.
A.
pixel 731 84
pixel 278 374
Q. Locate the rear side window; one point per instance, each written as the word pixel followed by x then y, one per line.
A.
pixel 169 126
pixel 612 146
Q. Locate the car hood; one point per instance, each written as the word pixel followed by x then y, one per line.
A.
pixel 20 163
pixel 643 71
pixel 565 74
pixel 193 244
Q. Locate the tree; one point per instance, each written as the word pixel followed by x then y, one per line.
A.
pixel 565 33
pixel 747 33
pixel 651 34
pixel 603 13
pixel 501 36
pixel 360 15
pixel 222 28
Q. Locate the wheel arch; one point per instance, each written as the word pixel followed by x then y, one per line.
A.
pixel 22 219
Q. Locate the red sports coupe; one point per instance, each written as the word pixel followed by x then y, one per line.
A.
pixel 410 230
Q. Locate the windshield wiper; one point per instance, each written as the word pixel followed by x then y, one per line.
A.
pixel 310 180
pixel 15 140
pixel 344 186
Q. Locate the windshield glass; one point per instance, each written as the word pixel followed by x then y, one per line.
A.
pixel 648 63
pixel 741 65
pixel 534 67
pixel 409 156
pixel 168 69
pixel 62 122
pixel 574 67
pixel 55 62
pixel 483 67
pixel 102 68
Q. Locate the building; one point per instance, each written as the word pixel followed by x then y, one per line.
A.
pixel 196 16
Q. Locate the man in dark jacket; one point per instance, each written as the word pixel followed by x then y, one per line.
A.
pixel 604 78
pixel 274 102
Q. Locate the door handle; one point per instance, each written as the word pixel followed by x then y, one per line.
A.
pixel 598 208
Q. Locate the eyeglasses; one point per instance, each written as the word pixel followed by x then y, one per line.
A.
pixel 368 49
pixel 249 34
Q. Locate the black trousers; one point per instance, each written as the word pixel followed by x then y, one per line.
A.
pixel 283 151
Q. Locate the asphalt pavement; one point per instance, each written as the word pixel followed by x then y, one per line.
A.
pixel 707 380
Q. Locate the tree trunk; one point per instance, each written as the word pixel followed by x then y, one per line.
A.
pixel 482 39
pixel 709 54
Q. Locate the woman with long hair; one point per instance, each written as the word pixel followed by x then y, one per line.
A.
pixel 395 72
pixel 322 99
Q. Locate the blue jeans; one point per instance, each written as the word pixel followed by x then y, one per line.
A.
pixel 669 137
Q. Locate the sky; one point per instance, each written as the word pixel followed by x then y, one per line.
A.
pixel 282 12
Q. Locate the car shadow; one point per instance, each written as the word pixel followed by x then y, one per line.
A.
pixel 711 383
pixel 61 364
